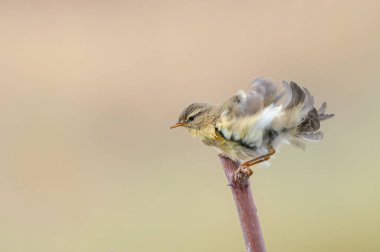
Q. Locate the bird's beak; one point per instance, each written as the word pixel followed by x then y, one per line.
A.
pixel 179 124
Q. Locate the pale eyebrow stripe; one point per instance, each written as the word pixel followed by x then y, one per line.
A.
pixel 194 113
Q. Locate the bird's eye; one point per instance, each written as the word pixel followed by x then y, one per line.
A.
pixel 191 118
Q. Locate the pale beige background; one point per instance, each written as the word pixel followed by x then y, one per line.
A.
pixel 88 89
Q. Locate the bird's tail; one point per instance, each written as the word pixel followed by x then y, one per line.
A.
pixel 302 114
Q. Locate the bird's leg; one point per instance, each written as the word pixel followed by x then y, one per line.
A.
pixel 260 159
pixel 244 171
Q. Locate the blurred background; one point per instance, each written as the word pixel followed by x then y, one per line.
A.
pixel 89 88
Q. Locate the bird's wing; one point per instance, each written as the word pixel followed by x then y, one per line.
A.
pixel 249 115
pixel 261 93
pixel 249 112
pixel 248 130
pixel 266 89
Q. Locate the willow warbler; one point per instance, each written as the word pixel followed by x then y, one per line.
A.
pixel 250 126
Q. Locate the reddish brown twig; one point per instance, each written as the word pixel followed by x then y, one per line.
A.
pixel 246 208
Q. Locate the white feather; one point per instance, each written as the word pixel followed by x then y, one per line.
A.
pixel 267 116
pixel 261 123
pixel 226 133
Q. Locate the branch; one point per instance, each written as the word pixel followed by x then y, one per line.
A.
pixel 246 208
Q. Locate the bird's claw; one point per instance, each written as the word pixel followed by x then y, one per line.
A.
pixel 242 175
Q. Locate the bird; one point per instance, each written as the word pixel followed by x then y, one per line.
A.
pixel 251 125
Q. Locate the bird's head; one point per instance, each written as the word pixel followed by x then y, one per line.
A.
pixel 194 117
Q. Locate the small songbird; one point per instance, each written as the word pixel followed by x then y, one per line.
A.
pixel 250 126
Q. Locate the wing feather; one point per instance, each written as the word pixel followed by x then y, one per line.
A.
pixel 248 116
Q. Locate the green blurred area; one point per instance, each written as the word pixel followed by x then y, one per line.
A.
pixel 89 88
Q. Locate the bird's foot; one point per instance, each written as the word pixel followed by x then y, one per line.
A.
pixel 242 174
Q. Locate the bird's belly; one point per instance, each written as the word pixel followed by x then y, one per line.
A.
pixel 238 152
pixel 236 149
